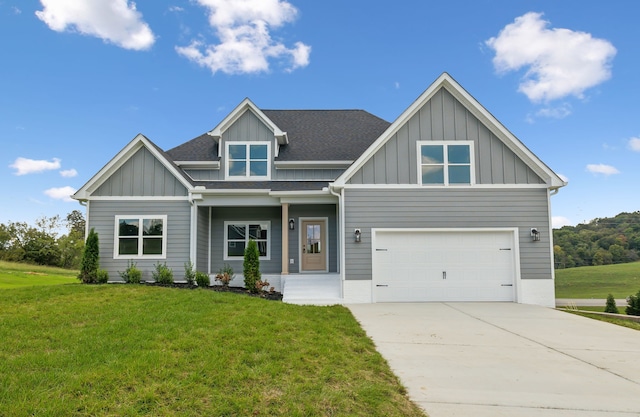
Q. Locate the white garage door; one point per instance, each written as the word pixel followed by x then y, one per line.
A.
pixel 410 266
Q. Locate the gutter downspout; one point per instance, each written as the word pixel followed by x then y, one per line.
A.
pixel 340 235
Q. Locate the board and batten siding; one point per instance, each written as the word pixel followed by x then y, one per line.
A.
pixel 296 211
pixel 448 208
pixel 102 216
pixel 141 175
pixel 202 249
pixel 444 118
pixel 219 215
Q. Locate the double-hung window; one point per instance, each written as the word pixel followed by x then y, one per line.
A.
pixel 248 160
pixel 238 233
pixel 141 237
pixel 445 163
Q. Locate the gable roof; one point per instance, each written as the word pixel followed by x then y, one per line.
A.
pixel 447 82
pixel 121 157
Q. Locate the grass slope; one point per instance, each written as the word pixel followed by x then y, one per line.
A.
pixel 621 280
pixel 129 350
pixel 14 275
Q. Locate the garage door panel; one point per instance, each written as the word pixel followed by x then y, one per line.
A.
pixel 444 266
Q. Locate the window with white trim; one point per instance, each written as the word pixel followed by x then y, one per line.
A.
pixel 248 160
pixel 140 237
pixel 238 233
pixel 445 163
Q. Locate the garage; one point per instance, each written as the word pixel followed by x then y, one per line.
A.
pixel 444 265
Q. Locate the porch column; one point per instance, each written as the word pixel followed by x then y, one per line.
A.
pixel 285 238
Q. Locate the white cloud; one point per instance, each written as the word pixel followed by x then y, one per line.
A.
pixel 61 193
pixel 559 62
pixel 564 178
pixel 559 112
pixel 243 28
pixel 559 221
pixel 176 9
pixel 114 21
pixel 25 166
pixel 69 173
pixel 602 169
pixel 634 144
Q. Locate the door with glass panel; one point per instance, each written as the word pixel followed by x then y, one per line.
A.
pixel 314 245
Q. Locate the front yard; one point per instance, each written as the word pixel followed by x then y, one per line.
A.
pixel 128 350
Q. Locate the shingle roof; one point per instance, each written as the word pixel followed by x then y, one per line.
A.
pixel 264 185
pixel 314 135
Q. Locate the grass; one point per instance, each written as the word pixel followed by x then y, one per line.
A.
pixel 621 280
pixel 620 322
pixel 14 275
pixel 129 350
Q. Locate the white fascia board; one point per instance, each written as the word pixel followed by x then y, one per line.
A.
pixel 198 164
pixel 121 157
pixel 235 114
pixel 441 187
pixel 452 86
pixel 312 164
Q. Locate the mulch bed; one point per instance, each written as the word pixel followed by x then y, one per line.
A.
pixel 275 295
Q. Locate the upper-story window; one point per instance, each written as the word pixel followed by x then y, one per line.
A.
pixel 445 163
pixel 248 160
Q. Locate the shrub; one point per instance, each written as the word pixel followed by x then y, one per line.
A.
pixel 261 285
pixel 633 309
pixel 611 305
pixel 189 273
pixel 202 279
pixel 225 275
pixel 90 259
pixel 162 274
pixel 102 276
pixel 251 266
pixel 131 275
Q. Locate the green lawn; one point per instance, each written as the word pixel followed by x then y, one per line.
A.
pixel 14 275
pixel 129 350
pixel 621 280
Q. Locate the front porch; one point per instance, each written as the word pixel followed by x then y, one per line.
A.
pixel 312 289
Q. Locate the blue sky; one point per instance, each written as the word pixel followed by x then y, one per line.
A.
pixel 79 80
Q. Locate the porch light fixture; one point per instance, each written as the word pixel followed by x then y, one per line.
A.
pixel 535 234
pixel 358 235
pixel 292 224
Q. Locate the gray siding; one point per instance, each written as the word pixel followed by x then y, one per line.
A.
pixel 312 210
pixel 444 118
pixel 202 256
pixel 141 175
pixel 101 216
pixel 221 214
pixel 448 208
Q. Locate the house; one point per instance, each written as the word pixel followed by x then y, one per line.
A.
pixel 443 204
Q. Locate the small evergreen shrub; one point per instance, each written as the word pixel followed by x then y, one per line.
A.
pixel 633 308
pixel 202 279
pixel 225 275
pixel 251 266
pixel 189 273
pixel 102 276
pixel 611 305
pixel 162 274
pixel 90 259
pixel 131 275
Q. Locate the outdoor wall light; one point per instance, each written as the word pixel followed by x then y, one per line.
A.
pixel 292 224
pixel 358 235
pixel 535 234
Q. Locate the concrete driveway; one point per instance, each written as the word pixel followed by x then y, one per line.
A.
pixel 505 359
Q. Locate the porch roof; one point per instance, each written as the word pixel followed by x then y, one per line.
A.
pixel 264 185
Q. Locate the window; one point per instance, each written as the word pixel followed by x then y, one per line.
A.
pixel 248 160
pixel 446 163
pixel 140 237
pixel 238 233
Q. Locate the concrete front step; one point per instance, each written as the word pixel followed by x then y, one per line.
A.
pixel 317 289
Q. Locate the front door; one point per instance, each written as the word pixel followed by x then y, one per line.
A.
pixel 314 245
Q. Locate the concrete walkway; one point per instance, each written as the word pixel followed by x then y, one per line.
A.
pixel 506 359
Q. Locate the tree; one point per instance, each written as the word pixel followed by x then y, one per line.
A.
pixel 90 259
pixel 611 305
pixel 76 223
pixel 251 266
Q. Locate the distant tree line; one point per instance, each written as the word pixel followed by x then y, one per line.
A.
pixel 599 242
pixel 43 243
